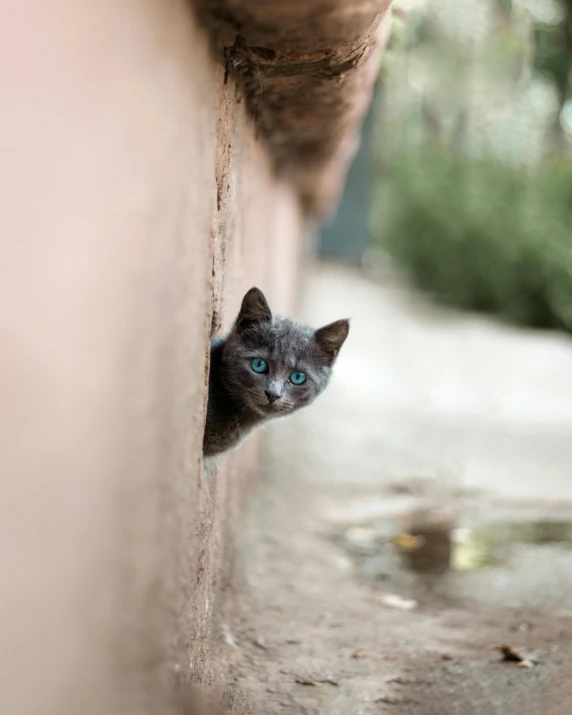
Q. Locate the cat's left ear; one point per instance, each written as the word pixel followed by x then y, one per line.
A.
pixel 254 309
pixel 331 337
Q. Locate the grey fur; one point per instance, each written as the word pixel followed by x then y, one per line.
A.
pixel 241 399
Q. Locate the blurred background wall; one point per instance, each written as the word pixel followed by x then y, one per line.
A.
pixel 345 235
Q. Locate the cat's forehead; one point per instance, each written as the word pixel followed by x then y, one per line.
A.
pixel 290 341
pixel 283 339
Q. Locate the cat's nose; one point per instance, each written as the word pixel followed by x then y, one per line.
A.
pixel 272 395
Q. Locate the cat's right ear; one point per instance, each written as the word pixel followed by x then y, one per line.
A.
pixel 330 338
pixel 254 309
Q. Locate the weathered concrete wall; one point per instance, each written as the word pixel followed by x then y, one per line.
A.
pixel 136 207
pixel 307 68
pixel 139 202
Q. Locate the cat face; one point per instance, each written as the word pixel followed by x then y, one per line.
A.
pixel 274 366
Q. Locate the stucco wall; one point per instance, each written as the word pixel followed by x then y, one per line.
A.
pixel 136 207
pixel 139 200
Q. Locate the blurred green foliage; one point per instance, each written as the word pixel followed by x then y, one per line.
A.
pixel 553 49
pixel 481 235
pixel 477 229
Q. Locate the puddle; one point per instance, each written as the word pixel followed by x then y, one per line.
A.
pixel 439 548
pixel 431 554
pixel 490 545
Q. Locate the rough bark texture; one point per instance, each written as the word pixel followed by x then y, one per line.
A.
pixel 137 206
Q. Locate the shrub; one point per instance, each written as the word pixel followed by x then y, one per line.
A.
pixel 479 234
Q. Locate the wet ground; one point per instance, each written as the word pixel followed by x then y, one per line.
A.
pixel 410 549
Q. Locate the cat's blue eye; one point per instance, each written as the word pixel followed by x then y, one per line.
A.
pixel 259 365
pixel 298 378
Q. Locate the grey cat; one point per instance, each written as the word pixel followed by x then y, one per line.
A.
pixel 265 367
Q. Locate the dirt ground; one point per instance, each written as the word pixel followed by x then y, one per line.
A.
pixel 413 520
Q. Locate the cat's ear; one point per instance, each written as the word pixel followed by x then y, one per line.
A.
pixel 331 337
pixel 254 309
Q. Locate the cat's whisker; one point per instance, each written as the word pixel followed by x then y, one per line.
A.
pixel 311 424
